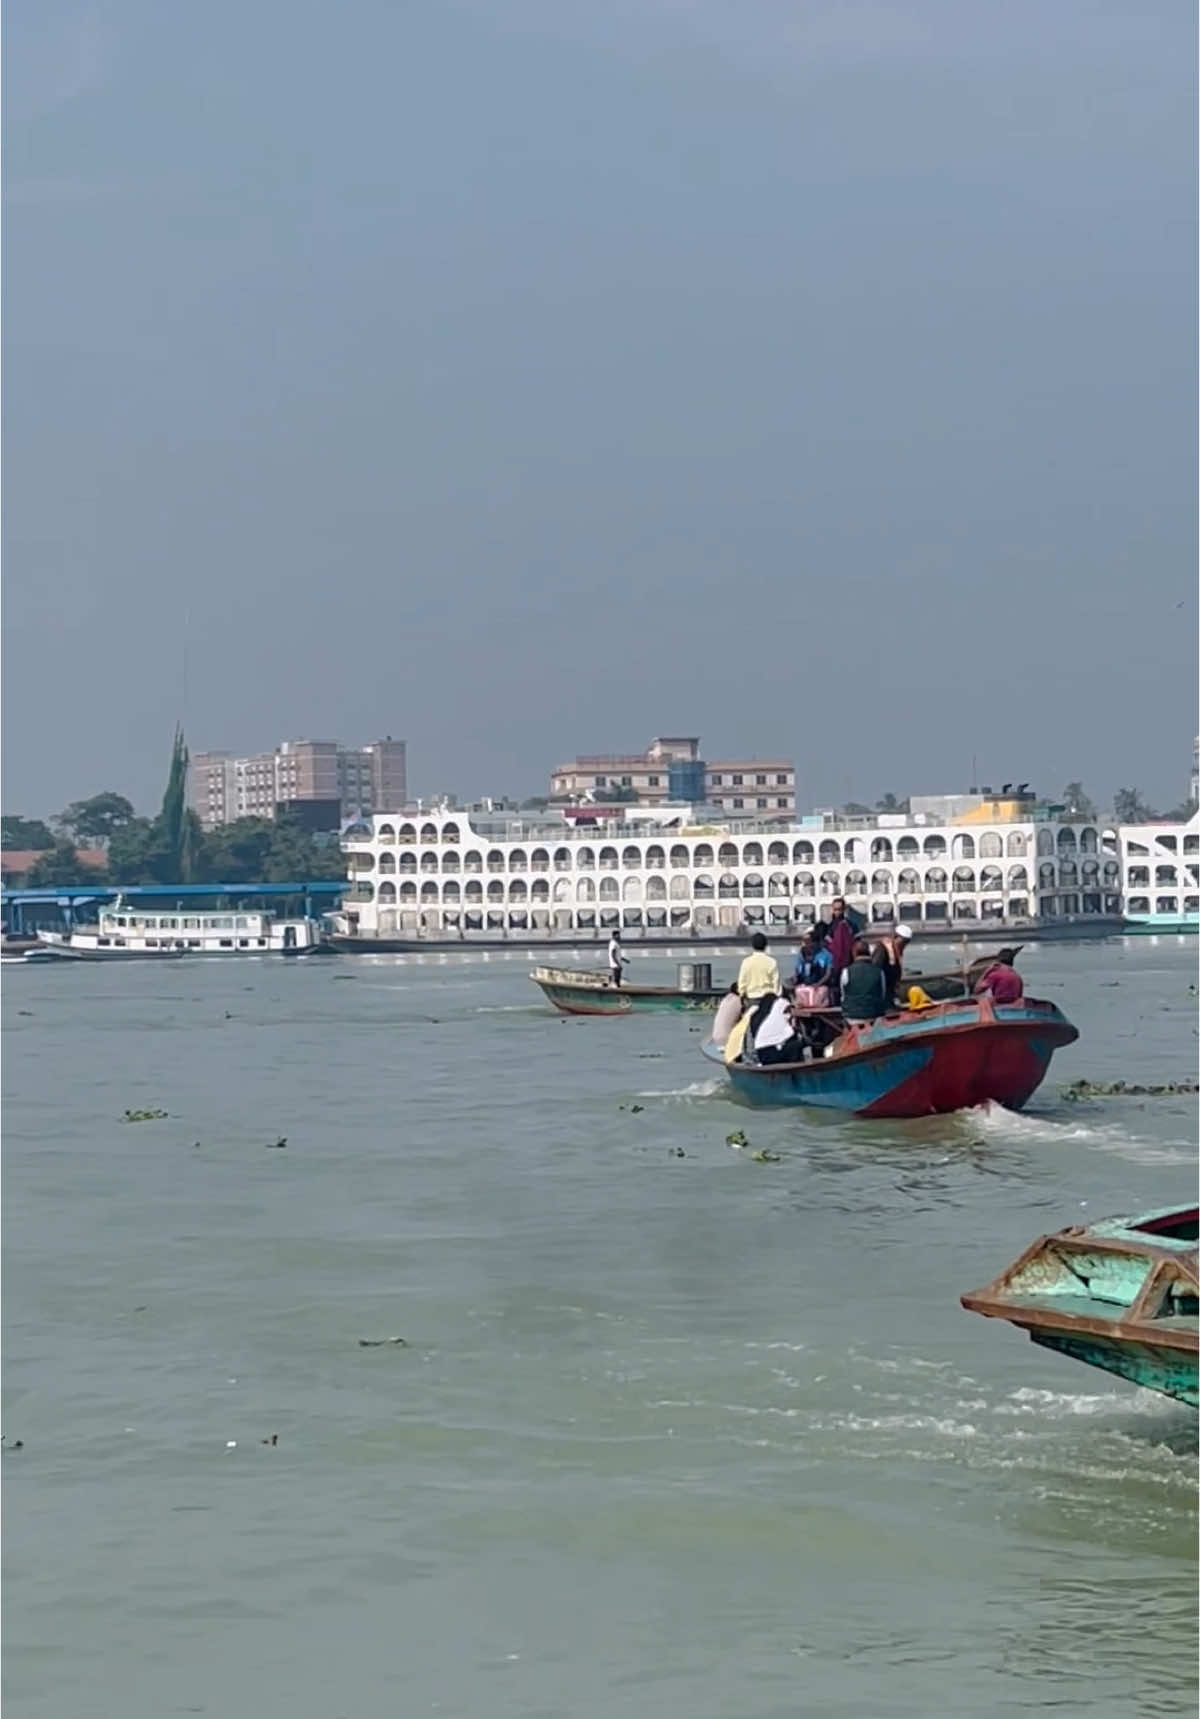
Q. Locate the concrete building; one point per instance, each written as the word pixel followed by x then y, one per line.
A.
pixel 671 771
pixel 324 779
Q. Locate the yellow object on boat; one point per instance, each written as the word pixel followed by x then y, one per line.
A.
pixel 737 1038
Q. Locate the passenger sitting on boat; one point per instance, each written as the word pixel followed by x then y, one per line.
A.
pixel 864 987
pixel 729 1013
pixel 616 959
pixel 776 1040
pixel 813 961
pixel 1001 980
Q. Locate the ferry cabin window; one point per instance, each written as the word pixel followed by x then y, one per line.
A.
pixel 227 943
pixel 243 943
pixel 191 925
pixel 193 943
pixel 781 801
pixel 760 781
pixel 736 780
pixel 243 922
pixel 262 942
pixel 104 942
pixel 781 781
pixel 738 804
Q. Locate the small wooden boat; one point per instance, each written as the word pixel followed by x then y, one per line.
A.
pixel 579 992
pixel 918 1062
pixel 1120 1294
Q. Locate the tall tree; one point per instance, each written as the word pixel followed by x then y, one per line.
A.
pixel 98 818
pixel 1079 805
pixel 27 835
pixel 1131 807
pixel 62 866
pixel 890 803
pixel 178 826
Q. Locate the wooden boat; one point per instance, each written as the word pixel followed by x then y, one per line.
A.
pixel 1120 1294
pixel 959 982
pixel 918 1062
pixel 579 992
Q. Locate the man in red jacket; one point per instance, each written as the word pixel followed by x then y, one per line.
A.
pixel 1002 980
pixel 839 941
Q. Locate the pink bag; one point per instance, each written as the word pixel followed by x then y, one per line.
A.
pixel 812 996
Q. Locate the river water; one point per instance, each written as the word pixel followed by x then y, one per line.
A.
pixel 668 1435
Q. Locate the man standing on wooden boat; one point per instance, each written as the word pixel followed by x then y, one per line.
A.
pixel 758 982
pixel 1001 981
pixel 616 959
pixel 839 941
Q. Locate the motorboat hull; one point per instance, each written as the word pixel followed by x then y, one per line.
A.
pixel 577 993
pixel 926 1062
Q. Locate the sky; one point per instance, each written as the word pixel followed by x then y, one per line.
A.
pixel 524 379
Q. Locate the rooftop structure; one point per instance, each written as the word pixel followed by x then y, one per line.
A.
pixel 671 769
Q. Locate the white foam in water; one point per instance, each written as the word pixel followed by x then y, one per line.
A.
pixel 994 1122
pixel 696 1089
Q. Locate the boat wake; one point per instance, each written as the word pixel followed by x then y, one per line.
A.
pixel 993 1123
pixel 686 1094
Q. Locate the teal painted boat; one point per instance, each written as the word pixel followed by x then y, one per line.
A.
pixel 578 992
pixel 1120 1294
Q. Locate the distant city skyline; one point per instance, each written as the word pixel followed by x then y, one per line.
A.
pixel 822 377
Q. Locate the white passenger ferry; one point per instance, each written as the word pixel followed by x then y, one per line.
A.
pixel 125 933
pixel 988 863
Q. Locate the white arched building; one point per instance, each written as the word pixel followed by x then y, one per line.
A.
pixel 450 871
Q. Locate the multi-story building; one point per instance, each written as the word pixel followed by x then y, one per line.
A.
pixel 671 771
pixel 1015 862
pixel 319 778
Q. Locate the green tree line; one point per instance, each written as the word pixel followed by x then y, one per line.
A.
pixel 170 848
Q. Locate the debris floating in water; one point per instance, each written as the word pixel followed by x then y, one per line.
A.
pixel 383 1342
pixel 144 1116
pixel 762 1156
pixel 1080 1089
pixel 277 1144
pixel 737 1140
pixel 676 1152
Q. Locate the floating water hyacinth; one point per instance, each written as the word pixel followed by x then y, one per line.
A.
pixel 144 1116
pixel 1080 1089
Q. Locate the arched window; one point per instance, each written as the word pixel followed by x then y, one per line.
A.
pixel 702 887
pixel 562 889
pixel 474 890
pixel 777 883
pixel 777 854
pixel 631 889
pixel 990 845
pixel 450 863
pixel 936 879
pixel 680 887
pixel 1018 877
pixel 562 859
pixel 656 889
pixel 429 864
pixel 856 883
pixel 881 850
pixel 518 860
pixel 752 888
pixel 609 889
pixel 539 860
pixel 752 853
pixel 450 891
pixel 802 853
pixel 449 832
pixel 386 833
pixel 1018 846
pixel 387 892
pixel 991 880
pixel 680 858
pixel 1066 839
pixel 387 863
pixel 831 883
pixel 495 890
pixel 407 833
pixel 907 848
pixel 727 887
pixel 963 881
pixel 517 890
pixel 1089 840
pixel 428 834
pixel 703 855
pixel 881 883
pixel 429 892
pixel 804 884
pixel 585 859
pixel 908 883
pixel 934 847
pixel 963 847
pixel 585 889
pixel 656 859
pixel 1045 841
pixel 408 865
pixel 631 859
pixel 608 859
pixel 728 855
pixel 1046 878
pixel 408 892
pixel 830 852
pixel 540 890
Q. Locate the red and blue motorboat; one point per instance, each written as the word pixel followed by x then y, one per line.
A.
pixel 918 1062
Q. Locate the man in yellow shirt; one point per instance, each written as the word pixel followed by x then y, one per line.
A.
pixel 758 975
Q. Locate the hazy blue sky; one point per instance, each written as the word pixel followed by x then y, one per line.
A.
pixel 529 376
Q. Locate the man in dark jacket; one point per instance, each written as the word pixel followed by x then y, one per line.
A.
pixel 864 987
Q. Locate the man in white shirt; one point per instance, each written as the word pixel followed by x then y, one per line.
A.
pixel 616 959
